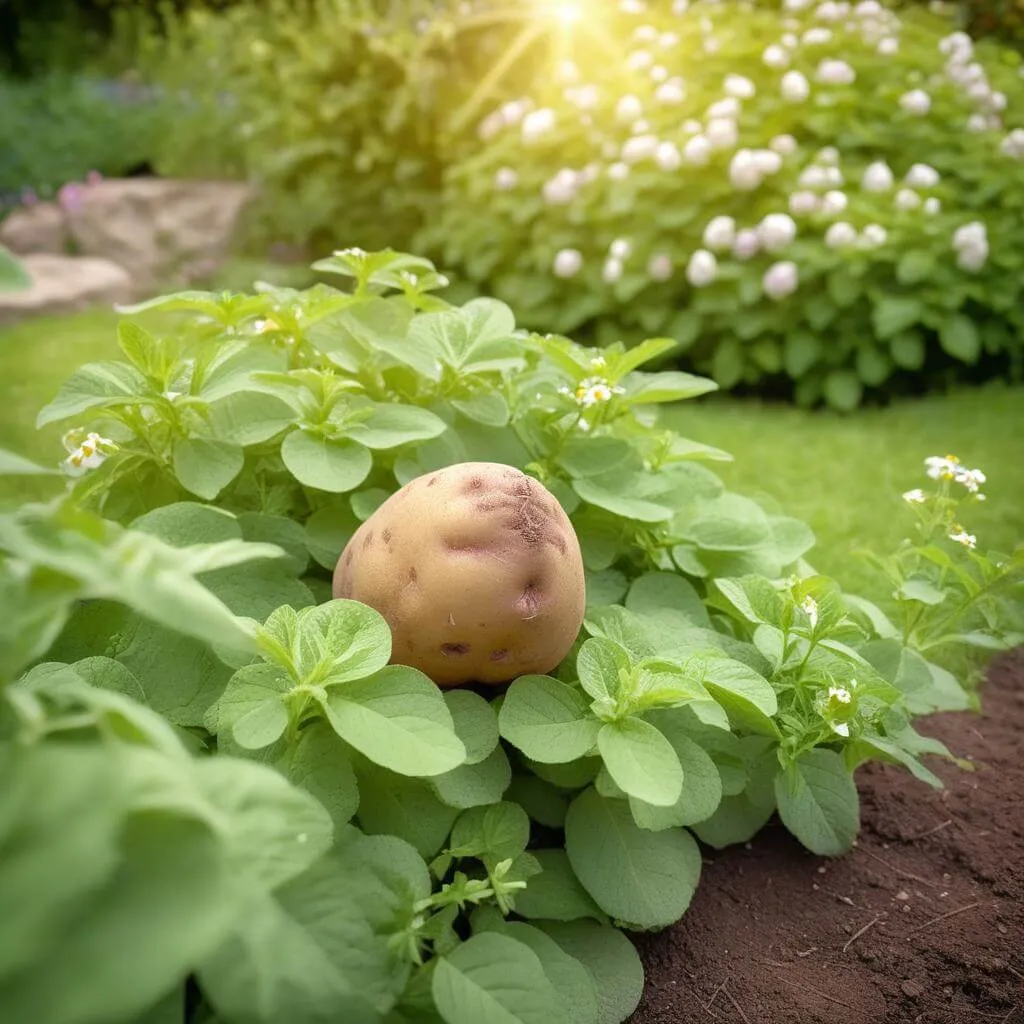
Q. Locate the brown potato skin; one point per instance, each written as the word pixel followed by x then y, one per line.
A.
pixel 477 570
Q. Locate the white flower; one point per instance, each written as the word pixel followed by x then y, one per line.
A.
pixel 840 235
pixel 638 60
pixel 767 161
pixel 915 497
pixel 668 39
pixel 722 133
pixel 968 540
pixel 538 123
pixel 702 268
pixel 802 203
pixel 583 97
pixel 932 206
pixel 939 467
pixel 795 87
pixel 977 123
pixel 784 145
pixel 814 177
pixel 776 56
pixel 1013 144
pixel 659 73
pixel 720 233
pixel 922 176
pixel 729 107
pixel 776 231
pixel 816 36
pixel 877 177
pixel 917 102
pixel 697 150
pixel 810 609
pixel 868 9
pixel 970 478
pixel 568 263
pixel 740 87
pixel 641 127
pixel 906 199
pixel 691 126
pixel 780 279
pixel 833 202
pixel 830 10
pixel 957 43
pixel 673 91
pixel 490 126
pixel 711 45
pixel 668 157
pixel 90 454
pixel 592 390
pixel 747 244
pixel 840 729
pixel 840 694
pixel 621 249
pixel 744 172
pixel 659 267
pixel 561 188
pixel 972 257
pixel 835 72
pixel 790 41
pixel 618 171
pixel 997 101
pixel 567 71
pixel 889 46
pixel 645 33
pixel 829 156
pixel 873 236
pixel 640 147
pixel 629 108
pixel 505 178
pixel 612 271
pixel 971 234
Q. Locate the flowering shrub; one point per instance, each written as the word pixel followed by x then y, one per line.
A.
pixel 805 193
pixel 214 761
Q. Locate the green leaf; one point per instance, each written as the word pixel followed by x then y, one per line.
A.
pixel 802 351
pixel 328 531
pixel 895 313
pixel 391 425
pixel 748 698
pixel 13 276
pixel 500 832
pixel 657 592
pixel 207 467
pixel 544 803
pixel 473 785
pixel 488 408
pixel 610 958
pixel 843 390
pixel 908 350
pixel 475 722
pixel 492 979
pixel 252 706
pixel 818 802
pixel 249 417
pixel 753 597
pixel 327 465
pixel 959 337
pixel 261 527
pixel 603 666
pixel 96 386
pixel 921 590
pixel 644 878
pixel 319 764
pixel 737 820
pixel 915 266
pixel 547 720
pixel 139 346
pixel 670 386
pixel 555 893
pixel 398 719
pixel 615 492
pixel 12 464
pixel 641 761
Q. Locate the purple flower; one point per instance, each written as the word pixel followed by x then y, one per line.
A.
pixel 71 196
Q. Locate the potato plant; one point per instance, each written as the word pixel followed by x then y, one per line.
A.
pixel 226 798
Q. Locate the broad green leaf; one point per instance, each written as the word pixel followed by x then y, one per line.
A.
pixel 555 893
pixel 391 425
pixel 262 527
pixel 139 346
pixel 606 587
pixel 12 464
pixel 473 785
pixel 96 386
pixel 657 592
pixel 641 761
pixel 669 386
pixel 488 408
pixel 398 719
pixel 549 721
pixel 884 748
pixel 921 590
pixel 475 722
pixel 324 464
pixel 748 698
pixel 207 467
pixel 959 337
pixel 901 666
pixel 249 417
pixel 818 802
pixel 544 803
pixel 644 878
pixel 13 276
pixel 604 668
pixel 802 350
pixel 843 390
pixel 610 958
pixel 616 493
pixel 263 725
pixel 592 456
pixel 319 764
pixel 500 832
pixel 328 531
pixel 729 523
pixel 492 979
pixel 737 820
pixel 893 314
pixel 347 639
pixel 243 707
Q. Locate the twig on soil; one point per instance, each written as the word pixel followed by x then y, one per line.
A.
pixel 930 832
pixel 941 917
pixel 737 1007
pixel 714 996
pixel 856 935
pixel 1013 1010
pixel 808 952
pixel 811 988
pixel 899 871
pixel 838 896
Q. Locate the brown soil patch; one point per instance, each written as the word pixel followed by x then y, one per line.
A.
pixel 922 923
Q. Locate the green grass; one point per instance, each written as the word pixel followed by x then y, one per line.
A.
pixel 841 474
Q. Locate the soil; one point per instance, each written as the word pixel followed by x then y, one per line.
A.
pixel 922 923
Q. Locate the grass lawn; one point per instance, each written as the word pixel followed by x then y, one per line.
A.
pixel 841 474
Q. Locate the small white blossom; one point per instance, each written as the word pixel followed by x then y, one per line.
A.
pixel 816 36
pixel 810 609
pixel 784 145
pixel 659 267
pixel 612 271
pixel 968 235
pixel 977 123
pixel 659 73
pixel 537 124
pixel 814 177
pixel 641 127
pixel 747 244
pixel 594 390
pixel 697 150
pixel 840 694
pixel 795 87
pixel 790 41
pixel 744 172
pixel 567 71
pixel 840 729
pixel 638 60
pixel 621 249
pixel 922 176
pixel 729 107
pixel 776 56
pixel 829 156
pixel 961 536
pixel 802 203
pixel 776 231
pixel 740 87
pixel 840 235
pixel 1013 144
pixel 932 206
pixel 906 199
pixel 916 102
pixel 868 9
pixel 711 45
pixel 720 233
pixel 889 46
pixel 568 263
pixel 505 178
pixel 561 188
pixel 877 177
pixel 629 108
pixel 668 39
pixel 835 72
pixel 618 171
pixel 997 101
pixel 780 279
pixel 939 467
pixel 90 454
pixel 645 33
pixel 640 147
pixel 833 202
pixel 583 97
pixel 691 126
pixel 915 497
pixel 668 157
pixel 830 10
pixel 873 236
pixel 671 92
pixel 767 161
pixel 722 133
pixel 702 268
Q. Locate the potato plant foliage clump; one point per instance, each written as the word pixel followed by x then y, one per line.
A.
pixel 226 799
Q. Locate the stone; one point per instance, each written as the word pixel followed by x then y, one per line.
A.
pixel 41 227
pixel 160 230
pixel 65 284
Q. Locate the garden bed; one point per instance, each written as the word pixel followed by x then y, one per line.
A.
pixel 923 922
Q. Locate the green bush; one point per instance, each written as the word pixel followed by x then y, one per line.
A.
pixel 805 195
pixel 215 783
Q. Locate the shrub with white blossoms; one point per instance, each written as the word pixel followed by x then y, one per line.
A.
pixel 818 196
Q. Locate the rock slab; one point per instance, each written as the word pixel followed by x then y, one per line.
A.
pixel 32 229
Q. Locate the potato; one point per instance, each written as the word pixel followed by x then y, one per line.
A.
pixel 477 570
